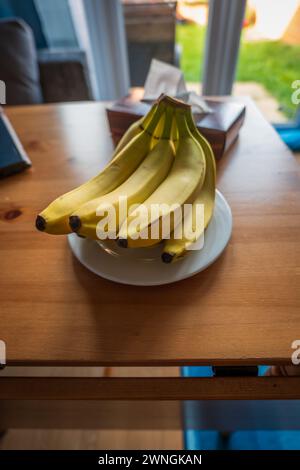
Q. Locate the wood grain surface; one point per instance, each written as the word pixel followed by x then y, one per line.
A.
pixel 244 309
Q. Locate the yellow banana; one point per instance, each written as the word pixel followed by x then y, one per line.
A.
pixel 186 175
pixel 55 218
pixel 136 128
pixel 139 126
pixel 176 248
pixel 138 187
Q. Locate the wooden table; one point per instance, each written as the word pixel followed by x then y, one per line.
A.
pixel 242 311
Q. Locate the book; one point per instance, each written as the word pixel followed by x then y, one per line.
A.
pixel 12 154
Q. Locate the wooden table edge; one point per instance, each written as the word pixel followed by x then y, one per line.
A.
pixel 145 389
pixel 153 363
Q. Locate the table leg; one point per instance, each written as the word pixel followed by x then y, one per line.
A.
pixel 233 371
pixel 2 433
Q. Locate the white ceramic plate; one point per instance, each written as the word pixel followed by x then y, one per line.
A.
pixel 143 266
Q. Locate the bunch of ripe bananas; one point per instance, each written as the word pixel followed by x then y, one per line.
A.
pixel 161 160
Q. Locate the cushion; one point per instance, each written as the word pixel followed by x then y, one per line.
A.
pixel 18 63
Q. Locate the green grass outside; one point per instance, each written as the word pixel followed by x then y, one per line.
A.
pixel 271 63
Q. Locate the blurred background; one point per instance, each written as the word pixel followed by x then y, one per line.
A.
pixel 89 49
pixel 269 56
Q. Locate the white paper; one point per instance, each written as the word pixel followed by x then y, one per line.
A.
pixel 165 78
pixel 199 106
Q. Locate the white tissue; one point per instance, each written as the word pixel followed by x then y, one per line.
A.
pixel 165 78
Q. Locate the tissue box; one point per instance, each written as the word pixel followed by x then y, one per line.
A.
pixel 220 128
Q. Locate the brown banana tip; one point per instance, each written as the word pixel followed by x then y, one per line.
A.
pixel 40 223
pixel 167 257
pixel 122 242
pixel 75 223
pixel 176 103
pixel 160 98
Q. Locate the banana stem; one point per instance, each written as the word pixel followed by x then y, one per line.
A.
pixel 182 126
pixel 174 131
pixel 147 118
pixel 174 102
pixel 190 121
pixel 166 134
pixel 192 125
pixel 150 127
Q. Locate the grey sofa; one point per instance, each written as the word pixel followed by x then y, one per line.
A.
pixel 32 76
